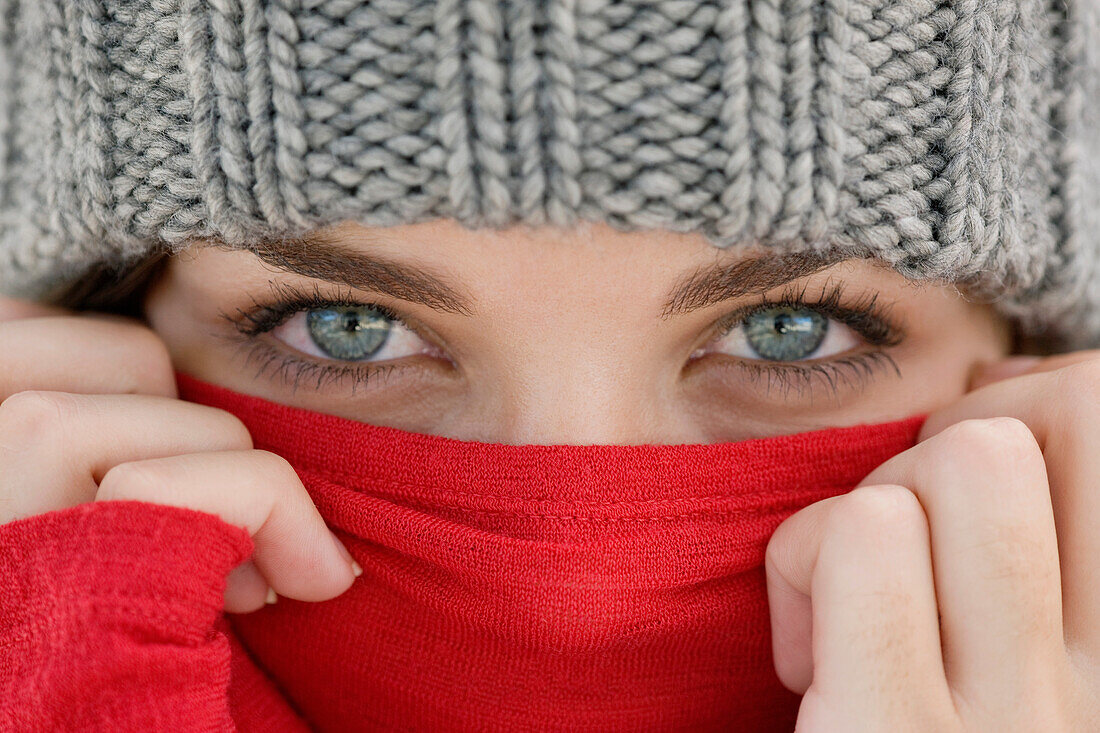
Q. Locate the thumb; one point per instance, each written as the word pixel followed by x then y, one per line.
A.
pixel 789 565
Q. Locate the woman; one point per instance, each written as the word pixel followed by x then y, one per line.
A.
pixel 443 277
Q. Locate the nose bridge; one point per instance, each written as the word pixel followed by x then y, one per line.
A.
pixel 578 363
pixel 575 407
pixel 594 391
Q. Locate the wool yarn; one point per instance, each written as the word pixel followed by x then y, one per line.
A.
pixel 954 140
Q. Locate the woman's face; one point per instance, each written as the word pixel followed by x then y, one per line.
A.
pixel 586 335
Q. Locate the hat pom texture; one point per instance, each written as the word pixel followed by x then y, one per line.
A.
pixel 955 141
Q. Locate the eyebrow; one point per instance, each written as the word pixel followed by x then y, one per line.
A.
pixel 324 258
pixel 717 283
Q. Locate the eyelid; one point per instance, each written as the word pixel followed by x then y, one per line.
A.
pixel 292 369
pixel 852 371
pixel 866 316
pixel 288 299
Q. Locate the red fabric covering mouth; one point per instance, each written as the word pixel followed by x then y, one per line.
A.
pixel 506 588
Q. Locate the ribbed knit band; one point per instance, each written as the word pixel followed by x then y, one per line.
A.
pixel 954 140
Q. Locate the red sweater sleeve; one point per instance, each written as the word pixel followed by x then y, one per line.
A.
pixel 111 619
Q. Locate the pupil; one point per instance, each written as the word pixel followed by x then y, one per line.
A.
pixel 785 333
pixel 351 334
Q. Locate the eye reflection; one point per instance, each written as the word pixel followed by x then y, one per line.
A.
pixel 785 334
pixel 350 333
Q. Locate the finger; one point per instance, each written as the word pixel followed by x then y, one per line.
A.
pixel 92 356
pixel 864 561
pixel 56 446
pixel 983 486
pixel 13 308
pixel 1018 366
pixel 1061 407
pixel 257 490
pixel 245 589
pixel 1013 366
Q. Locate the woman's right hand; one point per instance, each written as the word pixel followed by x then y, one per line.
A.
pixel 89 412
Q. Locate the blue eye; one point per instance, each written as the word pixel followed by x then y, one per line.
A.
pixel 348 334
pixel 784 333
pixel 352 333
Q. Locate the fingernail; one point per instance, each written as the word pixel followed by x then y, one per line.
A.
pixel 271 597
pixel 356 569
pixel 344 553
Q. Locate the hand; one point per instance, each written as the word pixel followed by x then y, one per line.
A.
pixel 955 589
pixel 89 412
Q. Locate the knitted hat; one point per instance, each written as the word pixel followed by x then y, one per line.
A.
pixel 954 140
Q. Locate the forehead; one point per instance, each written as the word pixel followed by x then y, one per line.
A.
pixel 441 262
pixel 587 271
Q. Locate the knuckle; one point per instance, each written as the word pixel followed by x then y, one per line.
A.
pixel 34 416
pixel 130 480
pixel 155 351
pixel 882 512
pixel 283 476
pixel 233 430
pixel 151 356
pixel 226 429
pixel 989 441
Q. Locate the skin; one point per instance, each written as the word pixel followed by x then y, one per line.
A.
pixel 951 591
pixel 565 342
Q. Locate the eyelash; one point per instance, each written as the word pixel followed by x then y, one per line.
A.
pixel 287 300
pixel 866 316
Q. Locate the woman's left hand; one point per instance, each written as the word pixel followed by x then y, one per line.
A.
pixel 958 587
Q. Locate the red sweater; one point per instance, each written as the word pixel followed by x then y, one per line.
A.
pixel 111 619
pixel 586 587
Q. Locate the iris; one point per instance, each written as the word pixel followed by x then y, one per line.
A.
pixel 349 333
pixel 785 333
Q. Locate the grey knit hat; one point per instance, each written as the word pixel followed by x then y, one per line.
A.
pixel 955 140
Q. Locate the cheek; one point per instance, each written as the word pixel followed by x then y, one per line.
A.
pixel 173 314
pixel 944 351
pixel 182 307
